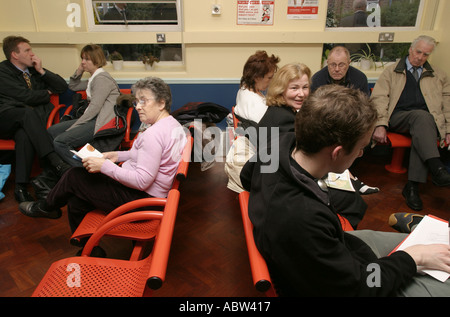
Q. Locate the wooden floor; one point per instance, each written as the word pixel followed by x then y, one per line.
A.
pixel 208 256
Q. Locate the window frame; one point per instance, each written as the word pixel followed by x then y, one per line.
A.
pixel 131 27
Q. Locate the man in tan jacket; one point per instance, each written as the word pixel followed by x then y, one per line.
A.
pixel 419 107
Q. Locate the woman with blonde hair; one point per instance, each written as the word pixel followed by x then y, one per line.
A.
pixel 286 93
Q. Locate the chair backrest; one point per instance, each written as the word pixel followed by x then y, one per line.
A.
pixel 127 141
pixel 183 166
pixel 159 256
pixel 7 145
pixel 235 120
pixel 260 272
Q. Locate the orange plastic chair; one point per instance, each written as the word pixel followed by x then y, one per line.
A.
pixel 139 231
pixel 7 145
pixel 260 272
pixel 127 141
pixel 399 144
pixel 87 276
pixel 53 118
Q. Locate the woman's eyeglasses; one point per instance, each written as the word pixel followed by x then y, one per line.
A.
pixel 141 101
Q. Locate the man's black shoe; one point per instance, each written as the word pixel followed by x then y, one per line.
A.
pixel 441 177
pixel 21 194
pixel 412 197
pixel 34 209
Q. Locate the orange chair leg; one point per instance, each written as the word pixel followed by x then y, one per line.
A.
pixel 396 165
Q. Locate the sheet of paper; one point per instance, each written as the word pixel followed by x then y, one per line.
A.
pixel 87 151
pixel 430 230
pixel 340 181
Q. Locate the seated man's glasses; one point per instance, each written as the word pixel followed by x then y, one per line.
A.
pixel 340 65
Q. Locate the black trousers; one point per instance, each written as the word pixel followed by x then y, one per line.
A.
pixel 25 126
pixel 82 192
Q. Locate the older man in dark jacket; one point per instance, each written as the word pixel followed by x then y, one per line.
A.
pixel 418 106
pixel 338 71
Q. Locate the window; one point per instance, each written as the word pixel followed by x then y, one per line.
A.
pixel 137 15
pixel 134 16
pixel 382 52
pixel 136 52
pixel 373 13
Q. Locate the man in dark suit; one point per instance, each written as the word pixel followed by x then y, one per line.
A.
pixel 25 89
pixel 118 12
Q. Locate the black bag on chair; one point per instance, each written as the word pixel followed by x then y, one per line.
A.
pixel 209 112
pixel 79 106
pixel 110 135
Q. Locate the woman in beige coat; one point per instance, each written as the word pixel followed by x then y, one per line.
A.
pixel 102 92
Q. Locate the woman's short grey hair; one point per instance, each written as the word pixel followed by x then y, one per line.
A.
pixel 160 90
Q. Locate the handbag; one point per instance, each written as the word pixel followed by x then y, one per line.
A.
pixel 79 106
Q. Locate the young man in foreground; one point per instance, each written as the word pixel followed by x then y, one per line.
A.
pixel 296 227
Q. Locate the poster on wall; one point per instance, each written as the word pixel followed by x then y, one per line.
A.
pixel 303 9
pixel 255 12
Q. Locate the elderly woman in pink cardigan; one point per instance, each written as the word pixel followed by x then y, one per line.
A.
pixel 147 169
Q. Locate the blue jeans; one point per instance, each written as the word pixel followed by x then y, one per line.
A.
pixel 64 141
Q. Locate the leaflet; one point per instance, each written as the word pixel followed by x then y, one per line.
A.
pixel 87 151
